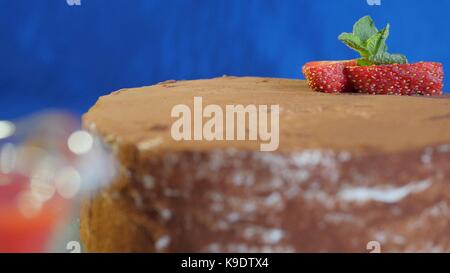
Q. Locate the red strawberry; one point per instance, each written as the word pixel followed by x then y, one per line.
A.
pixel 328 76
pixel 398 79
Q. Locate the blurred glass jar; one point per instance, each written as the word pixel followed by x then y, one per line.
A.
pixel 46 163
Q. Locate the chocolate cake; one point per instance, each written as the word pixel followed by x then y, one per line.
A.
pixel 350 171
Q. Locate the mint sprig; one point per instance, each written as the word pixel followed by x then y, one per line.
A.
pixel 370 43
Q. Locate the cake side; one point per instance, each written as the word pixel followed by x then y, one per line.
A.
pixel 310 201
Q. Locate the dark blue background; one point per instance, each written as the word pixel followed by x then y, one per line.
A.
pixel 56 55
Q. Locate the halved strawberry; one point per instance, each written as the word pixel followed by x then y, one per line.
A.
pixel 397 79
pixel 328 76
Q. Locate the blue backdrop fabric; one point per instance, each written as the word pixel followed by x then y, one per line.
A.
pixel 57 55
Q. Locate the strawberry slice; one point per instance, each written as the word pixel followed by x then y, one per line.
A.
pixel 328 76
pixel 397 79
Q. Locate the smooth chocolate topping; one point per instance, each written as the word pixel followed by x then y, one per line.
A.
pixel 307 119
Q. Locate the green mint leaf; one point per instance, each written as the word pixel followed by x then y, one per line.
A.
pixel 377 43
pixel 364 28
pixel 363 62
pixel 386 58
pixel 354 42
pixel 371 43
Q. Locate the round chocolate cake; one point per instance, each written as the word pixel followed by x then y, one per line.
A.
pixel 350 173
